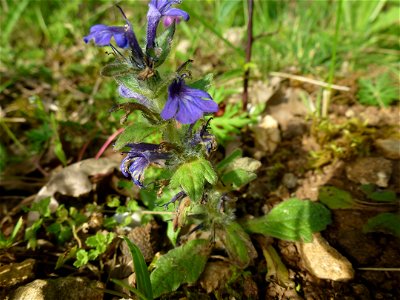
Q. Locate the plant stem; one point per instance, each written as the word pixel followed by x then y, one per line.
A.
pixel 12 136
pixel 325 104
pixel 249 45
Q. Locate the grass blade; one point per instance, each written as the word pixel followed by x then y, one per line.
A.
pixel 142 274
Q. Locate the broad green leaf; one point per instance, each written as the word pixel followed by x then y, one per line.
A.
pixel 238 245
pixel 385 222
pixel 292 220
pixel 142 274
pixel 191 177
pixel 335 198
pixel 180 265
pixel 229 159
pixel 134 133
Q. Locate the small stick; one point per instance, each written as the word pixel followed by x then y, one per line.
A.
pixel 312 81
pixel 249 45
pixel 380 269
pixel 108 142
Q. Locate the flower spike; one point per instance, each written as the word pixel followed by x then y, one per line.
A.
pixel 157 10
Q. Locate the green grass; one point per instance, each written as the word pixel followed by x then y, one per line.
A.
pixel 42 48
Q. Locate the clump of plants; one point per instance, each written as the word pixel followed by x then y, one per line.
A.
pixel 168 150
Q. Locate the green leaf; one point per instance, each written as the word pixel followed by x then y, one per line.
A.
pixel 238 245
pixel 204 83
pixel 238 171
pixel 292 220
pixel 142 274
pixel 30 233
pixel 42 207
pixel 134 134
pixel 191 177
pixel 229 159
pixel 238 178
pixel 385 222
pixel 180 265
pixel 378 195
pixel 82 258
pixel 335 198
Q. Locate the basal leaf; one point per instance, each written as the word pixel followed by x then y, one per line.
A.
pixel 180 265
pixel 292 220
pixel 335 198
pixel 384 222
pixel 134 133
pixel 191 177
pixel 238 245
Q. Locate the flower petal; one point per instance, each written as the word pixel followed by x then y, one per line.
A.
pixel 176 12
pixel 170 108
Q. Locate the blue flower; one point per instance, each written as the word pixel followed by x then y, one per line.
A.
pixel 127 93
pixel 157 10
pixel 187 104
pixel 139 158
pixel 102 34
pixel 124 37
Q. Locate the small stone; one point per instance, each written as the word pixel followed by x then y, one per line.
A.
pixel 65 288
pixel 366 170
pixel 390 148
pixel 323 261
pixel 267 135
pixel 289 180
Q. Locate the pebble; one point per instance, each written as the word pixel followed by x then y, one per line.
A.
pixel 390 148
pixel 267 135
pixel 323 261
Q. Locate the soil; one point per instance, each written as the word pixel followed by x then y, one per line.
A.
pixel 292 156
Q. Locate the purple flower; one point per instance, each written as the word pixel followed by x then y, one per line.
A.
pixel 127 93
pixel 124 36
pixel 102 34
pixel 139 158
pixel 157 10
pixel 187 104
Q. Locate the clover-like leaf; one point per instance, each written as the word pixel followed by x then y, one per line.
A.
pixel 191 177
pixel 180 265
pixel 292 220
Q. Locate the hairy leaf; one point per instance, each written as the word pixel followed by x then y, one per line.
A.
pixel 238 245
pixel 180 265
pixel 134 133
pixel 191 177
pixel 292 220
